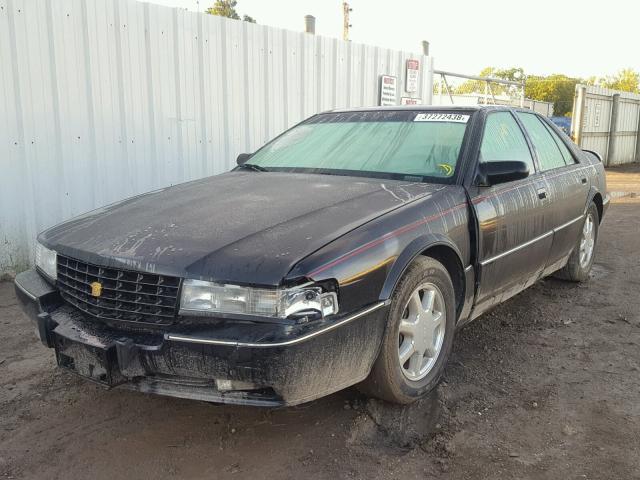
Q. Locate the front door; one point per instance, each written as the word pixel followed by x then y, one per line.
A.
pixel 515 225
pixel 566 182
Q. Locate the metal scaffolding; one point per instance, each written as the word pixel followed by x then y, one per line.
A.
pixel 488 92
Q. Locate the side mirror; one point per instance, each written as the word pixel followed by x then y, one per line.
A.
pixel 242 158
pixel 493 173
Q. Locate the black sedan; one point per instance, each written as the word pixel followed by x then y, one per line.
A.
pixel 346 251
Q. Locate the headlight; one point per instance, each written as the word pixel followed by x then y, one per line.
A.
pixel 201 298
pixel 46 261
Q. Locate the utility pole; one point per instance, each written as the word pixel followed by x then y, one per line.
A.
pixel 345 21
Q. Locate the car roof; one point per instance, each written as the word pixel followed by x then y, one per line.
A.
pixel 428 108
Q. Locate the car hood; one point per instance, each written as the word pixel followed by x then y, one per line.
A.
pixel 240 227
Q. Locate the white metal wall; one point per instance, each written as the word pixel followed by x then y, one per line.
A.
pixel 105 99
pixel 594 106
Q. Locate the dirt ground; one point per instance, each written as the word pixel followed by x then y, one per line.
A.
pixel 545 386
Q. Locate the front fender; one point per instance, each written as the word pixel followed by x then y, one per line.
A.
pixel 368 262
pixel 411 251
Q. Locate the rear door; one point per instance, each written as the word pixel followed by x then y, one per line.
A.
pixel 513 218
pixel 566 185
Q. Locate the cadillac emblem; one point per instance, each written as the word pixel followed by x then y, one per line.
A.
pixel 96 289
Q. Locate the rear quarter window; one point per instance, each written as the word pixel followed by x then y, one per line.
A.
pixel 566 153
pixel 548 151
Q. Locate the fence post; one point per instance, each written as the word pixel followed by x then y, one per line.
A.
pixel 425 48
pixel 613 122
pixel 578 117
pixel 310 24
pixel 427 94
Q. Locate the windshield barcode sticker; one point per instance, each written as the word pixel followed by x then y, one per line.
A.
pixel 441 117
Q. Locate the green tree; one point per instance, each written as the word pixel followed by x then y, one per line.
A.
pixel 477 86
pixel 626 80
pixel 227 8
pixel 556 88
pixel 592 80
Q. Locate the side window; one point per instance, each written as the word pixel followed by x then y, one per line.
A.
pixel 566 154
pixel 548 151
pixel 503 140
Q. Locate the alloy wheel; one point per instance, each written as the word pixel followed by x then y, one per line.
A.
pixel 587 242
pixel 421 332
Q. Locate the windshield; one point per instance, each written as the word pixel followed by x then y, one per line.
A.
pixel 407 145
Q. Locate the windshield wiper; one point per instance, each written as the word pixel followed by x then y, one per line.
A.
pixel 251 166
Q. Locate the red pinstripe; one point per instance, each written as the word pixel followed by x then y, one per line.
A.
pixel 416 224
pixel 383 238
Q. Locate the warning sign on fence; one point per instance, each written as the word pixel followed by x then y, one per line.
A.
pixel 410 101
pixel 413 75
pixel 388 90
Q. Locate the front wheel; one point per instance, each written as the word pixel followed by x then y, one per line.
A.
pixel 419 335
pixel 581 259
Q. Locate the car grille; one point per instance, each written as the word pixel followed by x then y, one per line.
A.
pixel 126 296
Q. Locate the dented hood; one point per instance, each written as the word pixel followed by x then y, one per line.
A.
pixel 240 227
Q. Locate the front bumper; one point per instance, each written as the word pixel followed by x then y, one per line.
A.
pixel 223 361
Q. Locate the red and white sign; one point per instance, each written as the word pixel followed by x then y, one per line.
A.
pixel 410 101
pixel 413 74
pixel 388 90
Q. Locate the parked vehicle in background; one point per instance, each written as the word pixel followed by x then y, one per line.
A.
pixel 563 123
pixel 346 251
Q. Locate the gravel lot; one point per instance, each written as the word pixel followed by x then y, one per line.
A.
pixel 545 386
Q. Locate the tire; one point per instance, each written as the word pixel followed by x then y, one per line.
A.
pixel 406 382
pixel 578 267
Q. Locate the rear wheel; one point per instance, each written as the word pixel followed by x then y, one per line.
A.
pixel 581 259
pixel 418 337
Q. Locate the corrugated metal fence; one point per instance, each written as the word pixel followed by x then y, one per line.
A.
pixel 608 122
pixel 104 99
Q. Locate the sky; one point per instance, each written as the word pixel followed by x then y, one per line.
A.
pixel 577 38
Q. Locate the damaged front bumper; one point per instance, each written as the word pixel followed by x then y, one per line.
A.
pixel 221 361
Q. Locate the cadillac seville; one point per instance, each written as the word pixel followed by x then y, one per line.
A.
pixel 347 251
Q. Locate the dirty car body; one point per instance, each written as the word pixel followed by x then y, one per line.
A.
pixel 297 264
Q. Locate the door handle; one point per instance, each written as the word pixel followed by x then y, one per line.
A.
pixel 583 180
pixel 542 193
